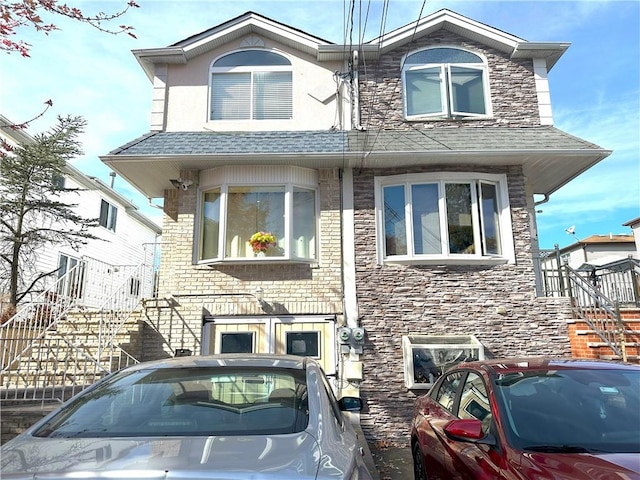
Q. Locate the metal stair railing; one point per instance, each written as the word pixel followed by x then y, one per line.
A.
pixel 36 318
pixel 32 351
pixel 597 310
pixel 116 310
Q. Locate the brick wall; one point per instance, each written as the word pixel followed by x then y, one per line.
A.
pixel 227 289
pixel 396 300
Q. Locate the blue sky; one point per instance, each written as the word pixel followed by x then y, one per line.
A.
pixel 595 87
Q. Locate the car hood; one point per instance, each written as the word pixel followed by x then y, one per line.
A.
pixel 560 466
pixel 171 458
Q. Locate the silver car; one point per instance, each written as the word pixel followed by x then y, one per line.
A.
pixel 223 417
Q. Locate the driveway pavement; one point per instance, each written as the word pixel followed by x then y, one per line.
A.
pixel 392 462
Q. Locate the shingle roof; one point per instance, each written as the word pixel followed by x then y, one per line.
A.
pixel 228 143
pixel 339 142
pixel 549 157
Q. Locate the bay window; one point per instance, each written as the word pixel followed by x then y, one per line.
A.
pixel 445 82
pixel 451 217
pixel 234 215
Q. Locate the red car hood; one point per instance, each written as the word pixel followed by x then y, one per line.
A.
pixel 581 466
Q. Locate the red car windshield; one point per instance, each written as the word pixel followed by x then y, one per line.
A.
pixel 571 410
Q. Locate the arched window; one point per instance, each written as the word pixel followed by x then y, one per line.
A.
pixel 445 82
pixel 251 85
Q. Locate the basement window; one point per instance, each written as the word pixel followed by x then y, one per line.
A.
pixel 426 357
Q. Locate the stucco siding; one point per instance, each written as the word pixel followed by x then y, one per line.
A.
pixel 315 104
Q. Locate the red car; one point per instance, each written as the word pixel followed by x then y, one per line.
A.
pixel 530 418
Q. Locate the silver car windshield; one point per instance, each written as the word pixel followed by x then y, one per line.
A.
pixel 188 401
pixel 572 410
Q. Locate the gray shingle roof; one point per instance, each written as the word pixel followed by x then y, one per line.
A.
pixel 229 143
pixel 339 142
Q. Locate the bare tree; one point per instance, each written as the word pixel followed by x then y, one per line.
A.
pixel 28 14
pixel 35 211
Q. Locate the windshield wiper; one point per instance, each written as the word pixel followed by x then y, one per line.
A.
pixel 561 449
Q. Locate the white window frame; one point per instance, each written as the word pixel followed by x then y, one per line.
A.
pixel 111 217
pixel 434 343
pixel 252 70
pixel 447 111
pixel 441 178
pixel 293 177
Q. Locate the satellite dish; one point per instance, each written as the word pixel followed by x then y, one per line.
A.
pixel 571 230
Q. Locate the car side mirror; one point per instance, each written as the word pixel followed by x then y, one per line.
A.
pixel 350 404
pixel 468 430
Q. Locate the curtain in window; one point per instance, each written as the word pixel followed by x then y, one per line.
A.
pixel 251 210
pixel 304 223
pixel 211 225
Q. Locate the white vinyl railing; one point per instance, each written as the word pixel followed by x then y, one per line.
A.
pixel 46 356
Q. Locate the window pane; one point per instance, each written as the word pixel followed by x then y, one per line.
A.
pixel 272 95
pixel 490 219
pixel 474 401
pixel 424 91
pixel 395 227
pixel 426 219
pixel 251 58
pixel 448 388
pixel 104 213
pixel 211 225
pixel 306 344
pixel 113 216
pixel 442 55
pixel 467 93
pixel 230 96
pixel 459 218
pixel 251 210
pixel 236 342
pixel 304 223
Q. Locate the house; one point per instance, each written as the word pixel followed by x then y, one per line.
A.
pixel 598 250
pixel 398 178
pixel 125 237
pixel 634 225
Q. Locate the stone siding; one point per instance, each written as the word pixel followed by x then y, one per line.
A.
pixel 511 84
pixel 397 300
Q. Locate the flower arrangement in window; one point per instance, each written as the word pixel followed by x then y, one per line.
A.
pixel 261 241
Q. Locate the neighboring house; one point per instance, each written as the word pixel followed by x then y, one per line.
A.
pixel 398 178
pixel 634 225
pixel 597 250
pixel 125 238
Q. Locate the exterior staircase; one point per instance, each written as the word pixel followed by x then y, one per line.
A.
pixel 74 333
pixel 605 302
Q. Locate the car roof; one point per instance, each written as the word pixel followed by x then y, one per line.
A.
pixel 251 360
pixel 524 364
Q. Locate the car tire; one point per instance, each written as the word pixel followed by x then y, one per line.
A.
pixel 419 470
